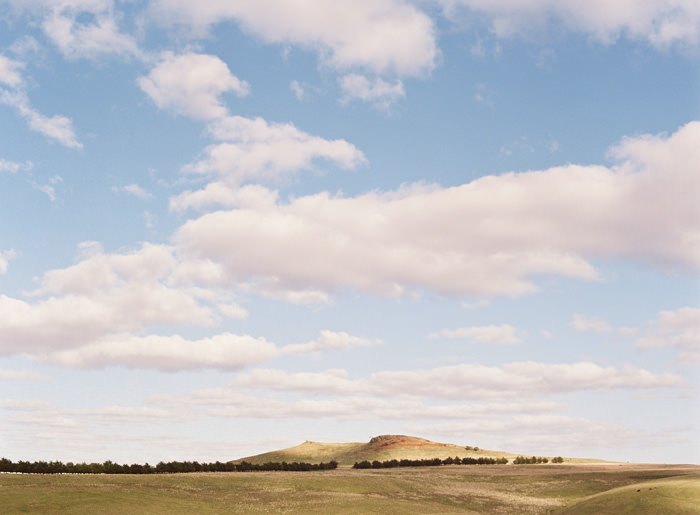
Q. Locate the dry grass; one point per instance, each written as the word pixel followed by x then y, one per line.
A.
pixel 504 489
pixel 386 447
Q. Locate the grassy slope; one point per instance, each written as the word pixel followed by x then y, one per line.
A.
pixel 678 496
pixel 382 448
pixel 526 489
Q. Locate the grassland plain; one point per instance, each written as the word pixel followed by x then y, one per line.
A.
pixel 485 489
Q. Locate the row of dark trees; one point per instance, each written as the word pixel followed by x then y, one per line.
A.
pixel 434 462
pixel 524 460
pixel 171 467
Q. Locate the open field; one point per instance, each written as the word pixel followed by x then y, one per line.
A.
pixel 498 489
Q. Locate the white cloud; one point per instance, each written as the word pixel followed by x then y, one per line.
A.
pixel 675 328
pixel 247 149
pixel 497 334
pixel 192 84
pixel 326 382
pixel 643 209
pixel 57 127
pixel 380 93
pixel 234 311
pixel 14 405
pixel 231 402
pixel 120 414
pixel 524 380
pixel 49 188
pixel 298 90
pixel 26 46
pixel 170 353
pixel 253 149
pixel 5 257
pixel 220 194
pixel 583 324
pixel 661 23
pixel 81 28
pixel 95 313
pixel 20 375
pixel 521 379
pixel 10 72
pixel 383 36
pixel 101 295
pixel 135 190
pixel 478 304
pixel 331 340
pixel 13 166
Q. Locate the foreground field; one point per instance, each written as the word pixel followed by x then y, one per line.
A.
pixel 498 489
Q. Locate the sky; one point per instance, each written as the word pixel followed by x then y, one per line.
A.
pixel 233 226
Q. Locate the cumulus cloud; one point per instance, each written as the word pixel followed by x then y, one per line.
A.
pixel 5 257
pixel 584 324
pixel 678 329
pixel 528 378
pixel 662 23
pixel 135 190
pixel 229 403
pixel 223 351
pixel 326 382
pixel 246 149
pixel 10 71
pixel 382 36
pixel 97 313
pixel 643 209
pixel 496 334
pixel 102 294
pixel 218 193
pixel 331 340
pixel 466 381
pixel 499 397
pixel 252 149
pixel 81 28
pixel 192 84
pixel 169 353
pixel 380 93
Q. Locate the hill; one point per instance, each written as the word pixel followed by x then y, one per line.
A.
pixel 673 495
pixel 384 447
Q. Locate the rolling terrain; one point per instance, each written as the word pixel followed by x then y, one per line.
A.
pixel 480 489
pixel 382 448
pixel 576 487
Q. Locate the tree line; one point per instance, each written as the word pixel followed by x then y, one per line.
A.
pixel 171 467
pixel 524 460
pixel 434 462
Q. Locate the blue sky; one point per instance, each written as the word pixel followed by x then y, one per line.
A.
pixel 232 226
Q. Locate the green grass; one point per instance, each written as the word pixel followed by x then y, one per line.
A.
pixel 526 489
pixel 675 495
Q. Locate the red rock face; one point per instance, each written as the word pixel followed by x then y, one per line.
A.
pixel 403 441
